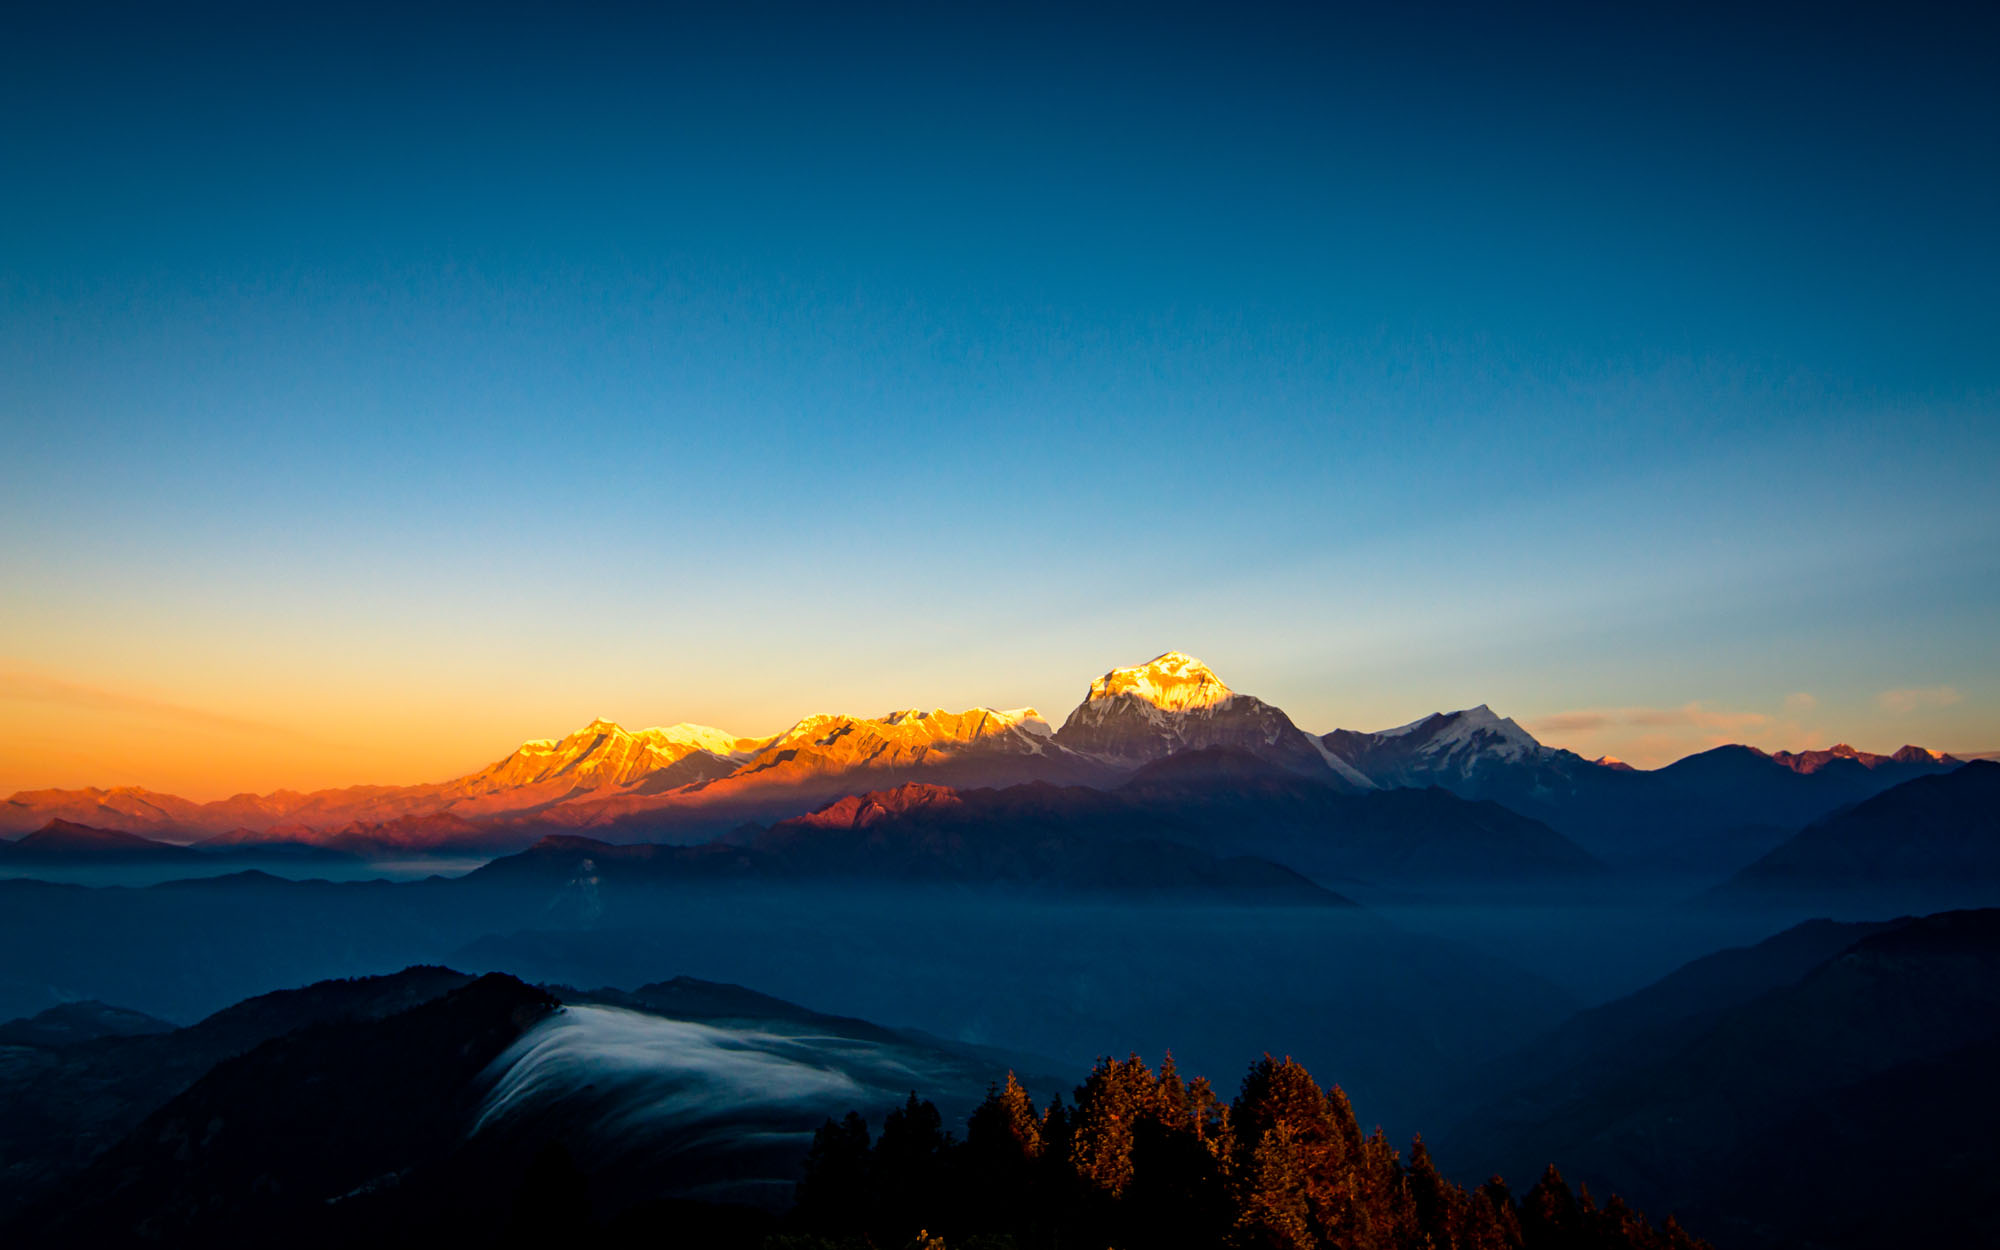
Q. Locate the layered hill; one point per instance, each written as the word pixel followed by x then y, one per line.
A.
pixel 76 1078
pixel 1934 836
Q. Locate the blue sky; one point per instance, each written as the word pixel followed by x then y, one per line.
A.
pixel 409 386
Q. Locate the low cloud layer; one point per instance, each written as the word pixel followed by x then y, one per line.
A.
pixel 1652 736
pixel 628 1085
pixel 1686 716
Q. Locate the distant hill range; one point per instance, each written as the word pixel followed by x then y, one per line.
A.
pixel 1713 812
pixel 63 844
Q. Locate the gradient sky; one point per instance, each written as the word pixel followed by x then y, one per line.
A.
pixel 378 391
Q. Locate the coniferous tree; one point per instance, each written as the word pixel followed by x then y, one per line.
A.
pixel 1324 1140
pixel 908 1173
pixel 1496 1223
pixel 1179 1193
pixel 1550 1216
pixel 1115 1095
pixel 998 1175
pixel 1437 1207
pixel 1150 1161
pixel 834 1193
pixel 1275 1207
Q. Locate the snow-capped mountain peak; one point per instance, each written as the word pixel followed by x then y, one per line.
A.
pixel 1481 728
pixel 1438 748
pixel 1172 682
pixel 1174 703
pixel 602 754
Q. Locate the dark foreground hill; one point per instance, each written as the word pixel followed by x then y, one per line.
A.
pixel 247 1124
pixel 490 1111
pixel 70 1087
pixel 1706 1093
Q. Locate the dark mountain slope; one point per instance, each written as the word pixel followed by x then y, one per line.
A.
pixel 1935 836
pixel 1658 1020
pixel 1217 797
pixel 420 1126
pixel 1916 1140
pixel 62 1102
pixel 264 1144
pixel 1673 1126
pixel 1038 838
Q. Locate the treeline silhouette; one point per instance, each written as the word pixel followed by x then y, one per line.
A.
pixel 1146 1159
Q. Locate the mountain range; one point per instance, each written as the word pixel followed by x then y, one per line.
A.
pixel 1716 811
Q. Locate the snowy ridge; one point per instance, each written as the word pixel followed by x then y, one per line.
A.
pixel 1441 748
pixel 1348 772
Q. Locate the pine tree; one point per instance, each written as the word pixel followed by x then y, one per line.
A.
pixel 908 1171
pixel 1157 1162
pixel 996 1177
pixel 1437 1207
pixel 1111 1100
pixel 1495 1222
pixel 1005 1125
pixel 835 1192
pixel 1275 1211
pixel 1550 1216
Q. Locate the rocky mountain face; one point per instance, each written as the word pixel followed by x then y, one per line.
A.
pixel 1444 748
